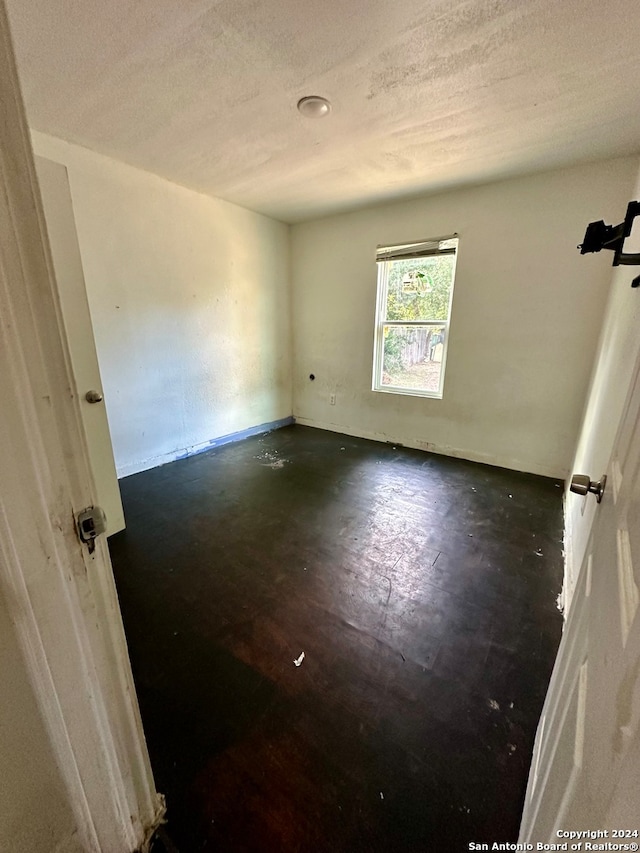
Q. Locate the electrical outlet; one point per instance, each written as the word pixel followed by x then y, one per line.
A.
pixel 332 399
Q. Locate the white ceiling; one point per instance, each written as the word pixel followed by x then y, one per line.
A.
pixel 426 94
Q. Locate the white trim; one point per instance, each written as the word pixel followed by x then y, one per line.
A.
pixel 382 287
pixel 569 559
pixel 407 392
pixel 629 599
pixel 62 600
pixel 508 462
pixel 415 323
pixel 202 447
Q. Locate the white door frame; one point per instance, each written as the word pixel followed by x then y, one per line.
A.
pixel 62 600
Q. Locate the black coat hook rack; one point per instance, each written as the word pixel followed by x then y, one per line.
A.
pixel 599 236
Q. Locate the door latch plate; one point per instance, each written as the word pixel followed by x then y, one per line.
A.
pixel 91 522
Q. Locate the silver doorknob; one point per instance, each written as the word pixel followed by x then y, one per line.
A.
pixel 582 484
pixel 93 397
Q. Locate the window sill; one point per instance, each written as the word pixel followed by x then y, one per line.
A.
pixel 410 392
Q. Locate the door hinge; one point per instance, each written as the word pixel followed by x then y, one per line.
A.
pixel 91 522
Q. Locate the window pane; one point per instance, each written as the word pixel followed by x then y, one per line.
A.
pixel 412 357
pixel 420 288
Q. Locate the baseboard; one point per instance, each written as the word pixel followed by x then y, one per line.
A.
pixel 193 450
pixel 442 450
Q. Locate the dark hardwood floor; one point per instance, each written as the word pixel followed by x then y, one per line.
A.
pixel 422 591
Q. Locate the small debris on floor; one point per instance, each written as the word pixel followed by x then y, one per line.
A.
pixel 270 459
pixel 298 661
pixel 539 553
pixel 381 795
pixel 512 747
pixel 510 496
pixel 493 705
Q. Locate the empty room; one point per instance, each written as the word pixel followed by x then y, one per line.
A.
pixel 320 459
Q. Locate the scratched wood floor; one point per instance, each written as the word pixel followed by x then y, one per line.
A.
pixel 422 591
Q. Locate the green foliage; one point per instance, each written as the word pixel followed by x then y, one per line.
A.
pixel 426 297
pixel 393 348
pixel 430 304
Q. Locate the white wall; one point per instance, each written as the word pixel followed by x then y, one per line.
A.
pixel 189 298
pixel 616 354
pixel 527 309
pixel 29 774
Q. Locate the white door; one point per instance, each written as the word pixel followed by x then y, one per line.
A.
pixel 585 773
pixel 58 211
pixel 60 598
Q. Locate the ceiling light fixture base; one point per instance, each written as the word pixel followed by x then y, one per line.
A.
pixel 314 106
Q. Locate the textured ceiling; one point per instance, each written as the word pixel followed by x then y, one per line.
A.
pixel 426 94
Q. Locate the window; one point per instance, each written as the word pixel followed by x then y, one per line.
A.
pixel 415 289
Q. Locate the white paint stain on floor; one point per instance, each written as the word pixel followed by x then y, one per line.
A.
pixel 270 459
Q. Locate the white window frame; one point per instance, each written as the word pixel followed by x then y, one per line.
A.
pixel 385 256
